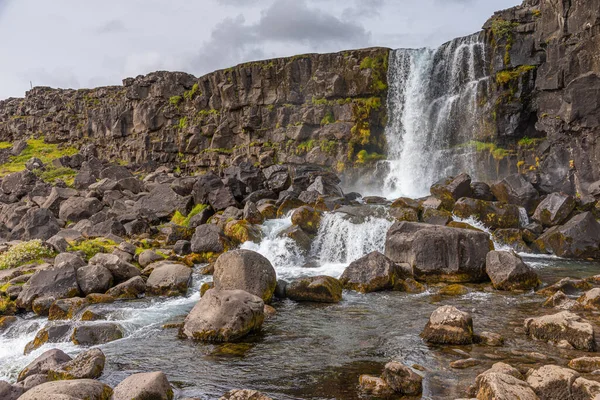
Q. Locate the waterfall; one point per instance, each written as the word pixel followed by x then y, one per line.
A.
pixel 433 109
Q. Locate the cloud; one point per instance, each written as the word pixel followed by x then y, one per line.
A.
pixel 363 9
pixel 112 26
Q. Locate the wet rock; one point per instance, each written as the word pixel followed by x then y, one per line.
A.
pixel 565 325
pixel 241 232
pixel 374 386
pixel 169 279
pixel 514 189
pixel 512 238
pixel 128 290
pixel 150 385
pixel 567 286
pixel 48 360
pixel 10 392
pixel 75 209
pixel 244 394
pixel 464 363
pixel 585 389
pixel 578 238
pixel 449 325
pixel 585 364
pixel 402 379
pixel 552 382
pixel 320 289
pixel 448 190
pixel 48 334
pixel 373 272
pixel 7 321
pixel 490 339
pixel 53 283
pixel 223 316
pixel 87 365
pixel 65 309
pixel 494 215
pixel 307 218
pixel 302 239
pixel 495 386
pixel 94 279
pixel 508 272
pixel 438 253
pixel 454 290
pixel 209 239
pixel 120 270
pixel 560 300
pixel 245 270
pixel 90 335
pixel 590 300
pixel 554 209
pixel 87 389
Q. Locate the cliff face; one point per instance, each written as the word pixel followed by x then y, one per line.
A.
pixel 324 109
pixel 545 57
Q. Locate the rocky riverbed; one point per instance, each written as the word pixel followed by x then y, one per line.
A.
pixel 277 280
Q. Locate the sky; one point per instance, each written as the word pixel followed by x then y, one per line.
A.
pixel 89 43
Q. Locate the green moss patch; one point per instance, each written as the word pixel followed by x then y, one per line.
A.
pixel 91 247
pixel 183 220
pixel 511 75
pixel 36 148
pixel 23 253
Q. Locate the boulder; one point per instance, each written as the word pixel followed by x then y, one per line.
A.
pixel 481 191
pixel 448 190
pixel 35 380
pixel 578 238
pixel 66 308
pixel 566 285
pixel 90 335
pixel 508 272
pixel 77 389
pixel 245 270
pixel 320 289
pixel 402 379
pixel 554 209
pixel 128 290
pixel 552 382
pixel 37 223
pixel 307 218
pixel 449 325
pixel 18 184
pixel 244 394
pixel 439 253
pixel 182 247
pixel 52 283
pixel 560 300
pixel 514 189
pixel 50 359
pixel 585 364
pixel 209 239
pixel 375 386
pixel 149 385
pixel 162 201
pixel 147 257
pixel 169 279
pixel 252 214
pixel 223 316
pixel 494 215
pixel 56 197
pixel 499 386
pixel 120 270
pixel 69 259
pixel 48 334
pixel 584 389
pixel 590 300
pixel 94 279
pixel 373 272
pixel 87 365
pixel 75 209
pixel 565 325
pixel 10 392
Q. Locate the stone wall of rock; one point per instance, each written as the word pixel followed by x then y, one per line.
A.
pixel 318 109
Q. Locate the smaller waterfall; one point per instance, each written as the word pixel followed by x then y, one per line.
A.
pixel 433 108
pixel 523 217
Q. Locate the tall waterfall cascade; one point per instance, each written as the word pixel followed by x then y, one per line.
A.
pixel 433 103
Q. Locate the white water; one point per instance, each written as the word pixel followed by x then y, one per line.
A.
pixel 433 107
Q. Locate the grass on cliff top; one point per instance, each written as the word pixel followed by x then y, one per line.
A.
pixel 35 148
pixel 23 253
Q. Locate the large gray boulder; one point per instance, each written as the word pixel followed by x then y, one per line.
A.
pixel 578 238
pixel 149 385
pixel 18 184
pixel 318 289
pixel 48 360
pixel 439 253
pixel 10 392
pixel 78 389
pixel 449 325
pixel 374 272
pixel 163 202
pixel 129 290
pixel 120 270
pixel 552 382
pixel 52 283
pixel 75 209
pixel 90 335
pixel 245 270
pixel 94 279
pixel 563 327
pixel 223 316
pixel 87 365
pixel 169 279
pixel 514 189
pixel 209 239
pixel 554 209
pixel 508 271
pixel 56 197
pixel 37 223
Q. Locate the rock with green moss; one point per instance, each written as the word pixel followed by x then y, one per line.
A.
pixel 450 189
pixel 307 218
pixel 50 359
pixel 88 389
pixel 554 209
pixel 242 231
pixel 404 214
pixel 436 217
pixel 7 321
pixel 590 300
pixel 128 290
pixel 299 236
pixel 454 290
pixel 565 325
pixel 7 306
pixel 169 279
pixel 318 289
pixel 449 325
pixel 578 238
pixel 245 270
pixel 48 334
pixel 87 365
pixel 268 211
pixel 66 309
pixel 507 271
pixel 494 215
pixel 149 385
pixel 288 205
pixel 374 272
pixel 512 238
pixel 223 316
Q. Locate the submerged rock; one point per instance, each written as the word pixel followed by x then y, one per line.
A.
pixel 565 325
pixel 320 289
pixel 402 379
pixel 375 386
pixel 449 325
pixel 223 316
pixel 373 272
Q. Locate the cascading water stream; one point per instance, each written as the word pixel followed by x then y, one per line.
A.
pixel 433 109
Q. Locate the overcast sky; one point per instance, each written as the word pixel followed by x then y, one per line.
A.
pixel 88 43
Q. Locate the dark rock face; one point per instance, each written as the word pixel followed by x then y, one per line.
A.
pixel 439 253
pixel 37 223
pixel 554 209
pixel 578 238
pixel 508 272
pixel 514 189
pixel 495 215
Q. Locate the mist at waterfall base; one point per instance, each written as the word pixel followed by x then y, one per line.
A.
pixel 433 113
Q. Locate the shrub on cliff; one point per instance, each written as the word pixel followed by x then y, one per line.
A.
pixel 24 252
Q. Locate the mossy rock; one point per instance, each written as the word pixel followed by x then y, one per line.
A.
pixel 7 321
pixel 89 315
pixel 206 286
pixel 405 202
pixel 7 306
pixel 409 285
pixel 200 258
pixel 462 225
pixel 288 205
pixel 307 218
pixel 512 238
pixel 404 214
pixel 454 290
pixel 242 231
pixel 65 309
pixel 99 298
